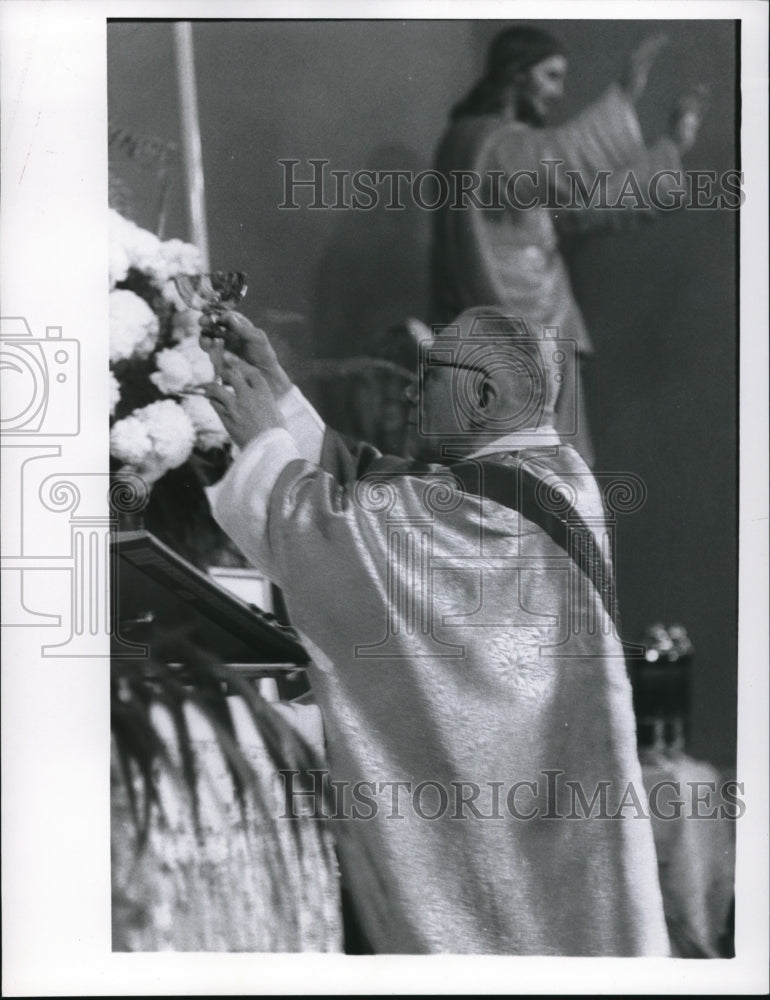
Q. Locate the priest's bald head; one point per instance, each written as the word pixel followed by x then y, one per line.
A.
pixel 483 377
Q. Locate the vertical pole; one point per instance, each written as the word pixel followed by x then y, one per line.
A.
pixel 192 156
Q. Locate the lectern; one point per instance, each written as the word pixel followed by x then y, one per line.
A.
pixel 157 592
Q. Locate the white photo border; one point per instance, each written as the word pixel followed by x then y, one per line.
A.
pixel 55 713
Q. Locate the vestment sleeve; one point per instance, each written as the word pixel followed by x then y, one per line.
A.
pixel 346 459
pixel 241 499
pixel 303 423
pixel 324 543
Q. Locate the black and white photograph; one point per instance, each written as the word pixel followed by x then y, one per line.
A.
pixel 384 442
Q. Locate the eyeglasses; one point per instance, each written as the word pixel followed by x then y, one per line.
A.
pixel 411 391
pixel 453 364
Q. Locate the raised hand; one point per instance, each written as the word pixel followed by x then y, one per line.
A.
pixel 247 342
pixel 244 402
pixel 641 62
pixel 687 117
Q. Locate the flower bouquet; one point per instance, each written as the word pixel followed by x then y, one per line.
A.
pixel 174 441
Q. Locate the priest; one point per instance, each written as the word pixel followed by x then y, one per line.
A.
pixel 460 615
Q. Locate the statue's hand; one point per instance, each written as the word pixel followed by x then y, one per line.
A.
pixel 687 118
pixel 634 81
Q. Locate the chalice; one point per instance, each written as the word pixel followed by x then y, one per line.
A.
pixel 213 294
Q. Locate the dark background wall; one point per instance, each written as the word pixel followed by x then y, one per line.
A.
pixel 660 300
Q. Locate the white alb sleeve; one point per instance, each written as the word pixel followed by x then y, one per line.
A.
pixel 241 500
pixel 303 423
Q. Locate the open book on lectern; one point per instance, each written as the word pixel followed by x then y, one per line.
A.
pixel 154 588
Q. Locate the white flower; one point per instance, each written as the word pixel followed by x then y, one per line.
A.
pixel 174 371
pixel 119 263
pixel 180 258
pixel 114 387
pixel 140 247
pixel 209 428
pixel 170 294
pixel 186 323
pixel 133 325
pixel 132 246
pixel 182 366
pixel 171 430
pixel 153 439
pixel 130 442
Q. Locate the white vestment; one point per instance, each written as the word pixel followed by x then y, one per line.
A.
pixel 457 649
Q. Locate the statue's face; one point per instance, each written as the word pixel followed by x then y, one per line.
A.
pixel 541 89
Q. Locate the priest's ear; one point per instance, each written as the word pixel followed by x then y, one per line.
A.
pixel 491 399
pixel 488 393
pixel 502 401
